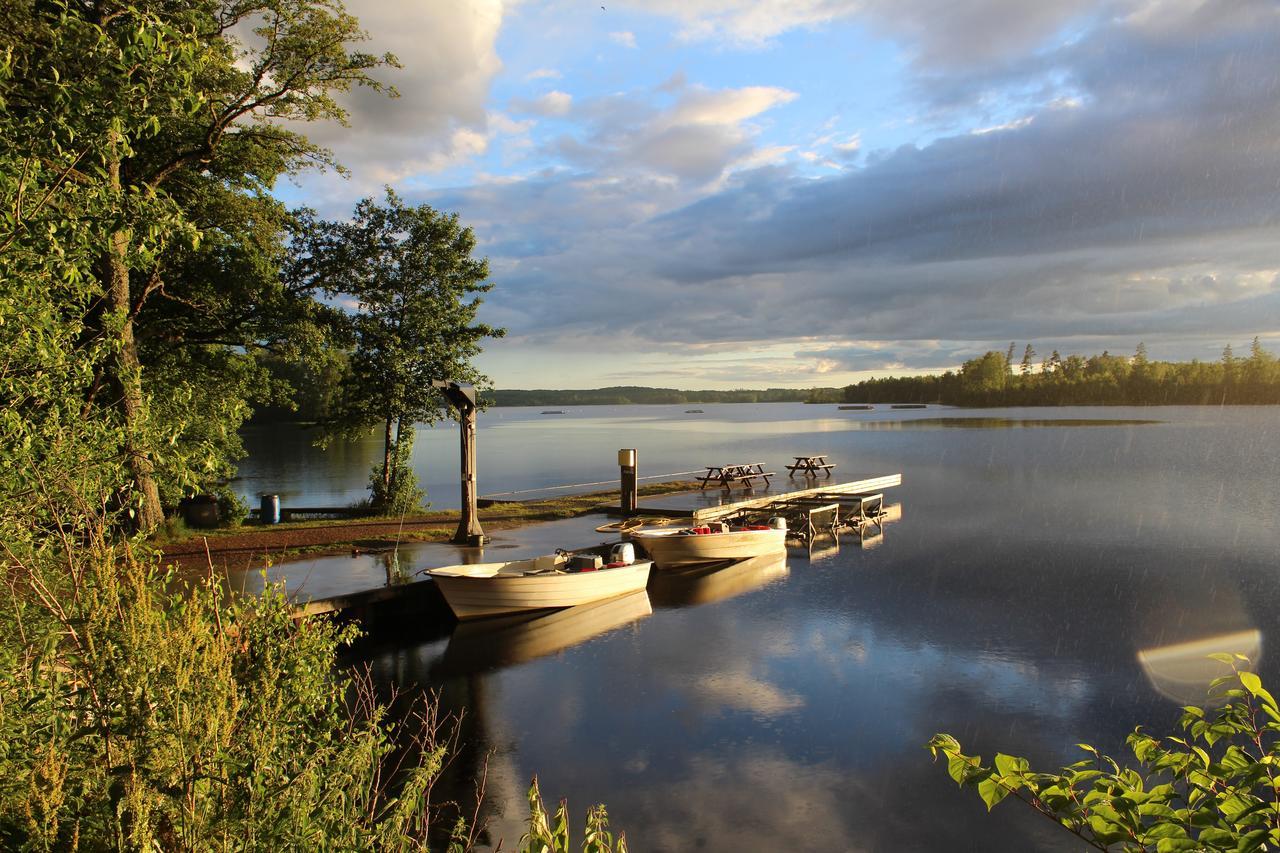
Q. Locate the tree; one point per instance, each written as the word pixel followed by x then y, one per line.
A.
pixel 411 273
pixel 1028 359
pixel 1008 360
pixel 137 110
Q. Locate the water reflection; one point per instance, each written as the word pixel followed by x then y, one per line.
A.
pixel 716 581
pixel 999 423
pixel 486 644
pixel 1008 608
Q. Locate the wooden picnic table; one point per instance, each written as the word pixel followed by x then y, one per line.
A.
pixel 742 472
pixel 811 465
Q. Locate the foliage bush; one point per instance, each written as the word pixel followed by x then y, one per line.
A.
pixel 1214 787
pixel 401 496
pixel 140 713
pixel 232 511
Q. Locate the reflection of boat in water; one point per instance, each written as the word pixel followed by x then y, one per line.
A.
pixel 716 581
pixel 509 640
pixel 716 541
pixel 1182 671
pixel 555 580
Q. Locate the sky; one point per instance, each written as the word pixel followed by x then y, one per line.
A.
pixel 798 193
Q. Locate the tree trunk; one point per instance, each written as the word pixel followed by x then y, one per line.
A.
pixel 386 459
pixel 395 469
pixel 126 374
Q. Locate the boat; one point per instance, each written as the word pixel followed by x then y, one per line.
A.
pixel 563 579
pixel 682 546
pixel 858 408
pixel 909 406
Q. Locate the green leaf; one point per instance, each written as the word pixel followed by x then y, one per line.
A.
pixel 991 791
pixel 1010 764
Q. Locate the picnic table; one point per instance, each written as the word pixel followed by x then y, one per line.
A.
pixel 811 465
pixel 743 472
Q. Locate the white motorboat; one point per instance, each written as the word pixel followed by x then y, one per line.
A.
pixel 556 580
pixel 682 546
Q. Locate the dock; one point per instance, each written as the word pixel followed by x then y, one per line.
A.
pixel 692 505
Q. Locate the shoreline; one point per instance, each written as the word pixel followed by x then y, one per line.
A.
pixel 250 545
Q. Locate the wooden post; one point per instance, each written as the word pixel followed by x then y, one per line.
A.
pixel 629 480
pixel 463 398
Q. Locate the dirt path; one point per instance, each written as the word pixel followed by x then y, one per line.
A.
pixel 253 544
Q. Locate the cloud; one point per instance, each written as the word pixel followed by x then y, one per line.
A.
pixel 553 103
pixel 697 139
pixel 933 32
pixel 1136 199
pixel 542 74
pixel 449 60
pixel 625 38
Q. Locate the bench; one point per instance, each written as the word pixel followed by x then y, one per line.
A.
pixel 744 473
pixel 811 465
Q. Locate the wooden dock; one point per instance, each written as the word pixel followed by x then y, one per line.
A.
pixel 747 502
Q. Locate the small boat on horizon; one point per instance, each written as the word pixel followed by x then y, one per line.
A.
pixel 563 579
pixel 554 412
pixel 681 546
pixel 858 408
pixel 909 406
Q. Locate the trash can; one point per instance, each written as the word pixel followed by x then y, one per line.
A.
pixel 269 509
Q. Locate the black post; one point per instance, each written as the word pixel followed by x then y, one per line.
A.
pixel 630 482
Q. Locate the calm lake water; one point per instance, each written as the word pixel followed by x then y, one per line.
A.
pixel 1037 563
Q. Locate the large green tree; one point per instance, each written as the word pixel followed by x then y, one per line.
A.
pixel 414 287
pixel 125 127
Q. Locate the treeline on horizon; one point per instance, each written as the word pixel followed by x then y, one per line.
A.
pixel 622 395
pixel 994 379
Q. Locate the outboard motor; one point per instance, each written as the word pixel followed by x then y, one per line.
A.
pixel 623 552
pixel 778 523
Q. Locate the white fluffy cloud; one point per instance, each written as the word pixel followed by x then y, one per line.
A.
pixel 697 139
pixel 440 118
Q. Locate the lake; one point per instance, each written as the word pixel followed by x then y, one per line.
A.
pixel 1046 566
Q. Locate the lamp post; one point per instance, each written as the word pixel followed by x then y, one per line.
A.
pixel 462 397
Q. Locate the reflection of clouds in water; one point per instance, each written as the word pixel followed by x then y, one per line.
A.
pixel 741 691
pixel 759 802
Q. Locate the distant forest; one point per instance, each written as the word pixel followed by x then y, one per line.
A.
pixel 994 379
pixel 624 394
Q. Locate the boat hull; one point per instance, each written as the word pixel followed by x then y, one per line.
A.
pixel 473 597
pixel 669 548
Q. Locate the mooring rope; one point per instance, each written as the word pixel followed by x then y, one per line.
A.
pixel 584 485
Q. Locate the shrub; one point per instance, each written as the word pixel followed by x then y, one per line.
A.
pixel 1214 787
